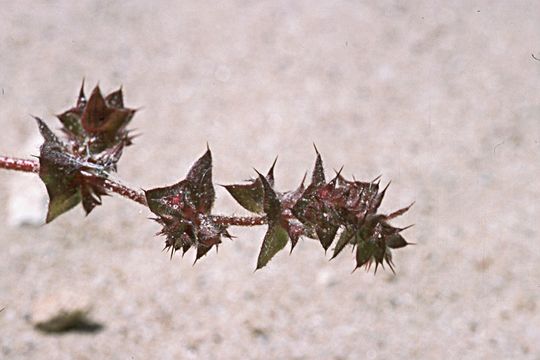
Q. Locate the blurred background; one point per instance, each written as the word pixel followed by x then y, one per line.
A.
pixel 442 100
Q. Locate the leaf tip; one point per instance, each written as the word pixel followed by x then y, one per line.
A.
pixel 82 97
pixel 258 173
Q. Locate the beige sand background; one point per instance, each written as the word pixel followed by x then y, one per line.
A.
pixel 443 98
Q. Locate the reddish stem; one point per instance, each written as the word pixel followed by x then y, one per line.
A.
pixel 19 164
pixel 125 191
pixel 27 165
pixel 240 220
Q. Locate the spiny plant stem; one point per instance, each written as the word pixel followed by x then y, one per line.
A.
pixel 28 165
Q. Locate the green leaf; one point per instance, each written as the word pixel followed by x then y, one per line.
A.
pixel 364 251
pixel 271 203
pixel 373 248
pixel 275 240
pixel 249 196
pixel 395 241
pixel 58 171
pixel 61 173
pixel 62 202
pixel 344 239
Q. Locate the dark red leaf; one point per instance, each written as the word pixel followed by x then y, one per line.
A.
pixel 115 99
pixel 399 212
pixel 290 198
pixel 295 230
pixel 317 177
pixel 189 197
pixel 314 213
pixel 96 112
pixel 105 122
pixel 202 189
pixel 168 200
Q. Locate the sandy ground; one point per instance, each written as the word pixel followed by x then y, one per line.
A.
pixel 443 100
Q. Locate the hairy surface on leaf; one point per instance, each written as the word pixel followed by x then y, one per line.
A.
pixel 200 177
pixel 61 173
pixel 184 210
pixel 352 207
pixel 95 136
